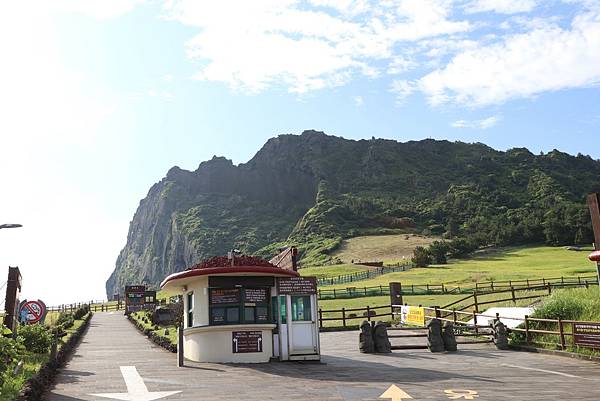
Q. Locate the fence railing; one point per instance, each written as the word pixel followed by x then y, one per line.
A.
pixel 93 305
pixel 351 317
pixel 534 331
pixel 443 289
pixel 362 275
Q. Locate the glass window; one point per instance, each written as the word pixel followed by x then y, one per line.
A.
pixel 249 314
pixel 190 309
pixel 262 314
pixel 233 315
pixel 301 309
pixel 218 315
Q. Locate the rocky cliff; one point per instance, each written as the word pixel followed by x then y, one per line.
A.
pixel 312 190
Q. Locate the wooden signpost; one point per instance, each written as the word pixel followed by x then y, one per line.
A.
pixel 13 290
pixel 593 201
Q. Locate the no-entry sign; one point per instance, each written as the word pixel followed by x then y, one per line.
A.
pixel 31 312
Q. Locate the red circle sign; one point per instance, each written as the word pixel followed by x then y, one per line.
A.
pixel 32 312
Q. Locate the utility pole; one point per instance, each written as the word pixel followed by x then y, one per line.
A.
pixel 593 201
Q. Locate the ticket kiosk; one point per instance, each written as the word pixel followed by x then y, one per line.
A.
pixel 246 310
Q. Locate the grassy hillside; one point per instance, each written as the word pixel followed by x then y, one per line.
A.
pixel 504 264
pixel 388 248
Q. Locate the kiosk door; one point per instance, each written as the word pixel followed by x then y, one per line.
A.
pixel 302 329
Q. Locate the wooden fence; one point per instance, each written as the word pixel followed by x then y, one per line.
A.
pixel 362 275
pixel 429 289
pixel 351 317
pixel 534 331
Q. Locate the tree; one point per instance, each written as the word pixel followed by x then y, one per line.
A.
pixel 438 250
pixel 421 257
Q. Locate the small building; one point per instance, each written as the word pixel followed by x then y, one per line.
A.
pixel 245 309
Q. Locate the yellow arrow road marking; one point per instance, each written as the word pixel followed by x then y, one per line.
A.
pixel 395 393
pixel 466 394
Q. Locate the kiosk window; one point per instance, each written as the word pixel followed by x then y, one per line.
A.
pixel 301 309
pixel 190 309
pixel 239 305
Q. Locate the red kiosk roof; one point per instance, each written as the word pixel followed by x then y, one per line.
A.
pixel 595 256
pixel 221 265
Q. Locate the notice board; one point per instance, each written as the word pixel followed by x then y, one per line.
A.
pixel 586 334
pixel 297 285
pixel 246 341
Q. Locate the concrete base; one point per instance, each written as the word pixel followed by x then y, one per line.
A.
pixel 214 344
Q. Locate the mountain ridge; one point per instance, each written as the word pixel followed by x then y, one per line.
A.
pixel 312 190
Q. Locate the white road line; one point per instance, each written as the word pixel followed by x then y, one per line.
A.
pixel 542 370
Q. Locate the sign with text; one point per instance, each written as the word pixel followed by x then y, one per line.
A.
pixel 135 298
pixel 220 296
pixel 246 341
pixel 412 315
pixel 297 285
pixel 587 334
pixel 256 295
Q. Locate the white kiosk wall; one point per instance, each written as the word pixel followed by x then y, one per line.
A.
pixel 297 319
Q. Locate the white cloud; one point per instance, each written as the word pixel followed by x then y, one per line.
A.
pixel 501 6
pixel 402 89
pixel 478 124
pixel 269 43
pixel 548 58
pixel 359 101
pixel 99 9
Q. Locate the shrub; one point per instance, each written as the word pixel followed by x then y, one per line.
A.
pixel 9 354
pixel 421 257
pixel 65 320
pixel 438 251
pixel 36 338
pixel 81 312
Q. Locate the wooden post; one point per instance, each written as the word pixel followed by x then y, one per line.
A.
pixel 334 297
pixel 549 288
pixel 512 290
pixel 475 301
pixel 454 315
pixel 320 318
pixel 437 312
pixel 492 285
pixel 562 334
pixel 527 339
pixel 344 317
pixel 180 346
pixel 475 322
pixel 368 314
pixel 396 294
pixel 443 290
pixel 365 291
pixel 593 201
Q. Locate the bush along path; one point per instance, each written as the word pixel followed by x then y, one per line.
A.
pixel 164 336
pixel 29 363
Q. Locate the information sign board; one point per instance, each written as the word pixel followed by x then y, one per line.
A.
pixel 297 285
pixel 135 298
pixel 587 334
pixel 219 296
pixel 412 315
pixel 246 341
pixel 256 295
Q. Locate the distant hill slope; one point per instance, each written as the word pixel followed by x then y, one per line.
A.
pixel 313 190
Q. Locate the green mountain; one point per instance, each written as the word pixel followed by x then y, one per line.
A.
pixel 313 190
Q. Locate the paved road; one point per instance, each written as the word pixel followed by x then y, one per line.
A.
pixel 112 343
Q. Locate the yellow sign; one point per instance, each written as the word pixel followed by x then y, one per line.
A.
pixel 395 393
pixel 466 394
pixel 412 315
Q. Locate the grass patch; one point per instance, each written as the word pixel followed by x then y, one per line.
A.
pixel 331 271
pixel 515 263
pixel 160 331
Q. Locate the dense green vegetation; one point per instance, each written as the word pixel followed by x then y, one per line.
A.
pixel 314 191
pixel 32 346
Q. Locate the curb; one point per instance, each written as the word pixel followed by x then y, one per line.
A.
pixel 562 354
pixel 35 388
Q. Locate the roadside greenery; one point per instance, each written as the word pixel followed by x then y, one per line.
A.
pixel 31 347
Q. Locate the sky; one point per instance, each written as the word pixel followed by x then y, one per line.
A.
pixel 99 98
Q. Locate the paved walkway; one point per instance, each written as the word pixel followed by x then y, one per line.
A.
pixel 112 347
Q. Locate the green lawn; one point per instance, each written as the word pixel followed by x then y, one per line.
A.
pixel 331 271
pixel 506 264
